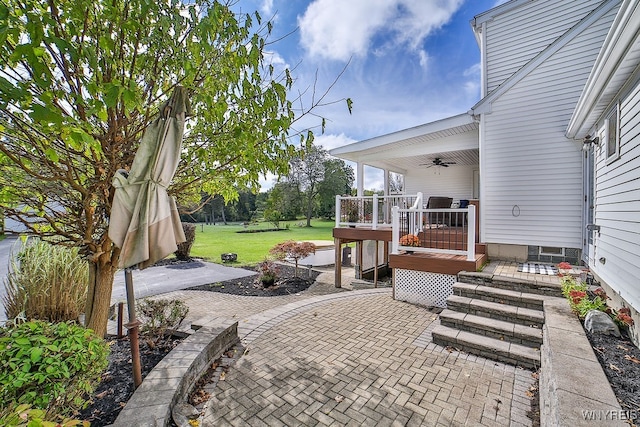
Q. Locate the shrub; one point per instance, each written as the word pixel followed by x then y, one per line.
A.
pixel 25 416
pixel 159 316
pixel 46 282
pixel 578 297
pixel 268 272
pixel 570 284
pixel 49 366
pixel 184 249
pixel 293 250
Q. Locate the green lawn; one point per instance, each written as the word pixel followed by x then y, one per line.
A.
pixel 213 240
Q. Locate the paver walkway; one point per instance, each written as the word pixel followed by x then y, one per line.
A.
pixel 352 358
pixel 361 358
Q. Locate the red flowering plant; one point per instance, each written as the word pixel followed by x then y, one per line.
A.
pixel 599 292
pixel 564 268
pixel 623 317
pixel 579 301
pixel 576 296
pixel 409 240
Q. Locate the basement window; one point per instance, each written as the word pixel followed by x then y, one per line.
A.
pixel 548 250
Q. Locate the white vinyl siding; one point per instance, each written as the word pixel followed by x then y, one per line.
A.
pixel 531 173
pixel 617 206
pixel 517 36
pixel 455 182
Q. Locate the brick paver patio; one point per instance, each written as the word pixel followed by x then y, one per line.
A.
pixel 361 358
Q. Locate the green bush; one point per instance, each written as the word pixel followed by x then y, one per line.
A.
pixel 50 366
pixel 46 282
pixel 25 416
pixel 578 297
pixel 159 316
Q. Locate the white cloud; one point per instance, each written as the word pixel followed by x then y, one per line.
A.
pixel 338 30
pixel 472 86
pixel 267 182
pixel 329 142
pixel 267 8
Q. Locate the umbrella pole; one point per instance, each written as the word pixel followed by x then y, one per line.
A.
pixel 132 327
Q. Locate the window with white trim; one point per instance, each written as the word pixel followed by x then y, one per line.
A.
pixel 613 133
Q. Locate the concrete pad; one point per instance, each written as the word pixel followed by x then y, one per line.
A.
pixel 161 279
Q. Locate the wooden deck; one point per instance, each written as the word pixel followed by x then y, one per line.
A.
pixel 360 233
pixel 435 263
pixel 438 263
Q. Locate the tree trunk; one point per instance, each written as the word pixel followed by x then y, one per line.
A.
pixel 224 219
pixel 101 274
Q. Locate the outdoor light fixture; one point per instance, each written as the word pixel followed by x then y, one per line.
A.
pixel 588 142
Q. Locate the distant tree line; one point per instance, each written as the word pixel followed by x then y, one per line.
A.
pixel 308 191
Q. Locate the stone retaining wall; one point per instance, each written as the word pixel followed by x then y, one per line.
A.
pixel 174 377
pixel 573 386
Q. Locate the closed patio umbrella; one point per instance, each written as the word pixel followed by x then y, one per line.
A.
pixel 144 220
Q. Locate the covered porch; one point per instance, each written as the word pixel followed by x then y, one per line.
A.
pixel 436 161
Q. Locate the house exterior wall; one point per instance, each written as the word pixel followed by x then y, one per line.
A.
pixel 531 173
pixel 455 182
pixel 617 206
pixel 510 46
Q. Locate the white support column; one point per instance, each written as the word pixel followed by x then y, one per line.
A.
pixel 360 179
pixel 386 182
pixel 395 229
pixel 338 211
pixel 471 233
pixel 374 216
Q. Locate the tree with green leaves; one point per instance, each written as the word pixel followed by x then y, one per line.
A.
pixel 80 82
pixel 306 171
pixel 338 180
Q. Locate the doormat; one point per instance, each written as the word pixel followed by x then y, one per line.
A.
pixel 546 269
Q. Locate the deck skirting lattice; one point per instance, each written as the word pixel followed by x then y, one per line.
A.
pixel 423 288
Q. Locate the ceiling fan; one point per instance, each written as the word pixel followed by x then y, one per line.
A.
pixel 438 162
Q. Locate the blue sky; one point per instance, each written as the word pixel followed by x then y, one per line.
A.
pixel 409 61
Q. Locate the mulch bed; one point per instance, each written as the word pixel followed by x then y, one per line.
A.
pixel 116 386
pixel 620 360
pixel 286 283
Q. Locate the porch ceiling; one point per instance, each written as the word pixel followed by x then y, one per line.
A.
pixel 454 139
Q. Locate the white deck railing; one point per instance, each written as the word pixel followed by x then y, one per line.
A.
pixel 444 231
pixel 373 211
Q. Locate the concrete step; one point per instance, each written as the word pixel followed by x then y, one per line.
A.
pixel 540 287
pixel 499 295
pixel 494 310
pixel 488 347
pixel 493 328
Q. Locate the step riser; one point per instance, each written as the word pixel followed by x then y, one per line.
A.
pixel 501 335
pixel 534 305
pixel 507 317
pixel 510 284
pixel 488 352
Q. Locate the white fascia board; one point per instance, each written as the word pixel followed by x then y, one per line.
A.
pixel 488 15
pixel 484 105
pixel 621 44
pixel 425 129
